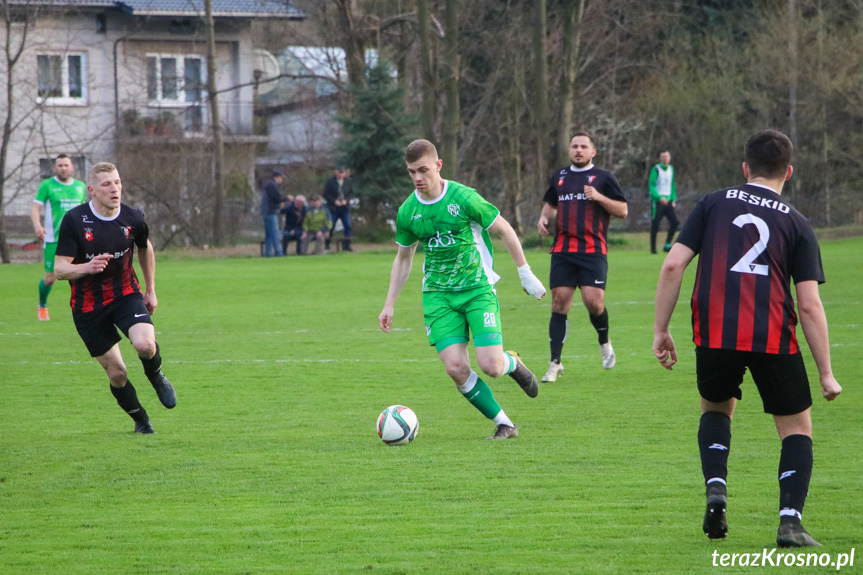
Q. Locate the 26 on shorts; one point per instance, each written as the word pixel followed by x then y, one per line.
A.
pixel 451 316
pixel 97 328
pixel 780 378
pixel 576 270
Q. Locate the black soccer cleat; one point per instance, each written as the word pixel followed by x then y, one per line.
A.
pixel 524 377
pixel 715 525
pixel 164 390
pixel 792 534
pixel 504 432
pixel 144 427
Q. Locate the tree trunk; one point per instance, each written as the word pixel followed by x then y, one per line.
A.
pixel 12 56
pixel 427 112
pixel 572 20
pixel 219 151
pixel 353 41
pixel 452 113
pixel 792 83
pixel 540 30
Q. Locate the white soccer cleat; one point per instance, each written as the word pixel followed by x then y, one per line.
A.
pixel 608 359
pixel 554 370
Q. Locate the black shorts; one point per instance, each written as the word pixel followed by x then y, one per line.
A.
pixel 97 329
pixel 780 378
pixel 576 270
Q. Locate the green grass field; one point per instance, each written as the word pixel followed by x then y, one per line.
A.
pixel 271 464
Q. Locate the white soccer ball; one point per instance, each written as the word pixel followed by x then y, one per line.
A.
pixel 398 425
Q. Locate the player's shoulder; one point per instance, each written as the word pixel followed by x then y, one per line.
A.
pixel 459 189
pixel 130 213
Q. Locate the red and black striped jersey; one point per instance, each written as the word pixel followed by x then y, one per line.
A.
pixel 751 245
pixel 84 234
pixel 582 225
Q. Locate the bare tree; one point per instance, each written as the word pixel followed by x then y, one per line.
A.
pixel 452 112
pixel 213 97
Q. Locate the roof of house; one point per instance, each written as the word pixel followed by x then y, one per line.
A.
pixel 221 8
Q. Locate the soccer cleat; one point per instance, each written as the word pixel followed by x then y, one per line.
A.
pixel 164 390
pixel 43 314
pixel 666 248
pixel 715 525
pixel 144 427
pixel 792 534
pixel 555 369
pixel 504 432
pixel 524 377
pixel 608 359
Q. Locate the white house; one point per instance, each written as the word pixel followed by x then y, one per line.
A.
pixel 96 76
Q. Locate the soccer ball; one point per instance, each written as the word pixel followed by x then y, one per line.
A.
pixel 398 425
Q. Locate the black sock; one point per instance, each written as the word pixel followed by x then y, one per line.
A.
pixel 557 328
pixel 152 365
pixel 795 470
pixel 714 443
pixel 600 324
pixel 127 399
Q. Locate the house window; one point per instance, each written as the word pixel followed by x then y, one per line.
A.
pixel 62 78
pixel 174 80
pixel 178 81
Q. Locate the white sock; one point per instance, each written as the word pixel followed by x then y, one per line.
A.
pixel 468 385
pixel 502 419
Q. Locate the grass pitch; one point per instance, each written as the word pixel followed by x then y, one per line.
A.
pixel 270 463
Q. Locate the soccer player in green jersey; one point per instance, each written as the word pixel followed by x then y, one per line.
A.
pixel 57 196
pixel 451 222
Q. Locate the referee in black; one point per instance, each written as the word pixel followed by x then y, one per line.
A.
pixel 751 244
pixel 95 250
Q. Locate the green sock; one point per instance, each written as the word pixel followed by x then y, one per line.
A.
pixel 480 396
pixel 43 293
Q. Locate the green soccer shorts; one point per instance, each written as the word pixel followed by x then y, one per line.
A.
pixel 451 316
pixel 49 250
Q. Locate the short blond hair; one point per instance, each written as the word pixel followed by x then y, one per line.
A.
pixel 419 149
pixel 100 168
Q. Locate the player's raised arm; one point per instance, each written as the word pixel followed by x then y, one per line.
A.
pixel 529 282
pixel 398 278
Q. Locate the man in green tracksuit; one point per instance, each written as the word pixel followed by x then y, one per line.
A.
pixel 663 199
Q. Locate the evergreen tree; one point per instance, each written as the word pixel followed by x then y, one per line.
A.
pixel 374 137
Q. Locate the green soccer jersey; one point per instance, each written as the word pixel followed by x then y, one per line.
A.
pixel 58 199
pixel 453 232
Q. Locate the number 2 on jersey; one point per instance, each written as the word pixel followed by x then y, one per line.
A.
pixel 744 265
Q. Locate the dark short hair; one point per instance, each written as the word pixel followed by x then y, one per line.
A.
pixel 278 174
pixel 62 157
pixel 586 135
pixel 768 154
pixel 419 148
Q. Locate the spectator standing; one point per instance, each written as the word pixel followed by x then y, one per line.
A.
pixel 316 225
pixel 338 192
pixel 271 203
pixel 295 213
pixel 663 200
pixel 55 197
